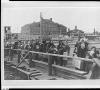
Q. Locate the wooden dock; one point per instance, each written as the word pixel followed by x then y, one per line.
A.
pixel 47 70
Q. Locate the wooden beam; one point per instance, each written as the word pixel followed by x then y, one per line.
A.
pixel 64 56
pixel 49 65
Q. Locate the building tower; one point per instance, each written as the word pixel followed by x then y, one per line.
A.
pixel 94 31
pixel 75 27
pixel 7 32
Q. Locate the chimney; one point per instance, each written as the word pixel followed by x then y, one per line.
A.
pixel 94 31
pixel 75 27
pixel 51 19
pixel 68 29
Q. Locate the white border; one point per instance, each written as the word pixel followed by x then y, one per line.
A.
pixel 45 83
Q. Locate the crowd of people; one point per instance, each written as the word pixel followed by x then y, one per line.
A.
pixel 45 46
pixel 81 49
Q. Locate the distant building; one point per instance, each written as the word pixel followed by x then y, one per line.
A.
pixel 46 27
pixel 93 36
pixel 14 36
pixel 7 33
pixel 23 37
pixel 75 33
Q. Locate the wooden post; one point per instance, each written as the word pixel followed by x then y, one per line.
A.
pixel 8 52
pixel 22 59
pixel 19 56
pixel 11 54
pixel 49 65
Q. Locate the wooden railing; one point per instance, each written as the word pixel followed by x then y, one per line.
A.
pixel 50 65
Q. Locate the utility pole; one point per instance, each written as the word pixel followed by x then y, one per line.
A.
pixel 94 31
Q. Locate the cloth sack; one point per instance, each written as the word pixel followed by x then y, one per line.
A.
pixel 65 54
pixel 77 63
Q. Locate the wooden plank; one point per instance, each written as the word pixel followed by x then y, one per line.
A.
pixel 78 58
pixel 41 62
pixel 23 59
pixel 36 74
pixel 21 70
pixel 58 71
pixel 71 70
pixel 33 73
pixel 66 74
pixel 47 77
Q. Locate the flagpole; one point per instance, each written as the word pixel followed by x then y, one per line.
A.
pixel 40 26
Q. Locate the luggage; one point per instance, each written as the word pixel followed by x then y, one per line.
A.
pixel 77 63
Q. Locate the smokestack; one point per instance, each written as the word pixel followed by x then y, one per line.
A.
pixel 94 31
pixel 51 19
pixel 68 29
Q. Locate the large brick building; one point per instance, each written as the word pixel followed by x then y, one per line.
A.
pixel 46 27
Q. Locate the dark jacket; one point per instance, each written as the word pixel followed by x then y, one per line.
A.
pixel 15 46
pixel 49 45
pixel 81 52
pixel 31 47
pixel 60 49
pixel 36 46
pixel 43 47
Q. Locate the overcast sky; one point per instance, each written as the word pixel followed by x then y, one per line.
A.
pixel 86 18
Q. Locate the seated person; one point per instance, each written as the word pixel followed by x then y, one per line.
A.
pixel 96 70
pixel 93 53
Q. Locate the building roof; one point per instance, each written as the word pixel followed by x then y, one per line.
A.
pixel 76 30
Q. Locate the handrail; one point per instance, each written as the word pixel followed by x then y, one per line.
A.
pixel 64 56
pixel 50 60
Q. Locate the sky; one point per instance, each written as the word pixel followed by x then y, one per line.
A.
pixel 85 18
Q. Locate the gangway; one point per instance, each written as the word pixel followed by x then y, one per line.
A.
pixel 50 68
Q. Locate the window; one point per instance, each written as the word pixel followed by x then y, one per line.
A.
pixel 75 34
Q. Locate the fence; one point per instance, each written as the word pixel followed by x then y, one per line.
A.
pixel 52 67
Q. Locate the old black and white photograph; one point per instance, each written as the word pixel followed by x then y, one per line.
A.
pixel 51 43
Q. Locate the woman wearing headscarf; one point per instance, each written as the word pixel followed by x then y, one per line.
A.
pixel 82 49
pixel 61 50
pixel 93 53
pixel 96 69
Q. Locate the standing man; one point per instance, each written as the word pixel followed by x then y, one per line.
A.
pixel 36 47
pixel 82 48
pixel 60 49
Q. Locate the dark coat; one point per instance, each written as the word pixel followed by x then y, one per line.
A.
pixel 43 47
pixel 31 47
pixel 81 52
pixel 36 46
pixel 49 45
pixel 60 49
